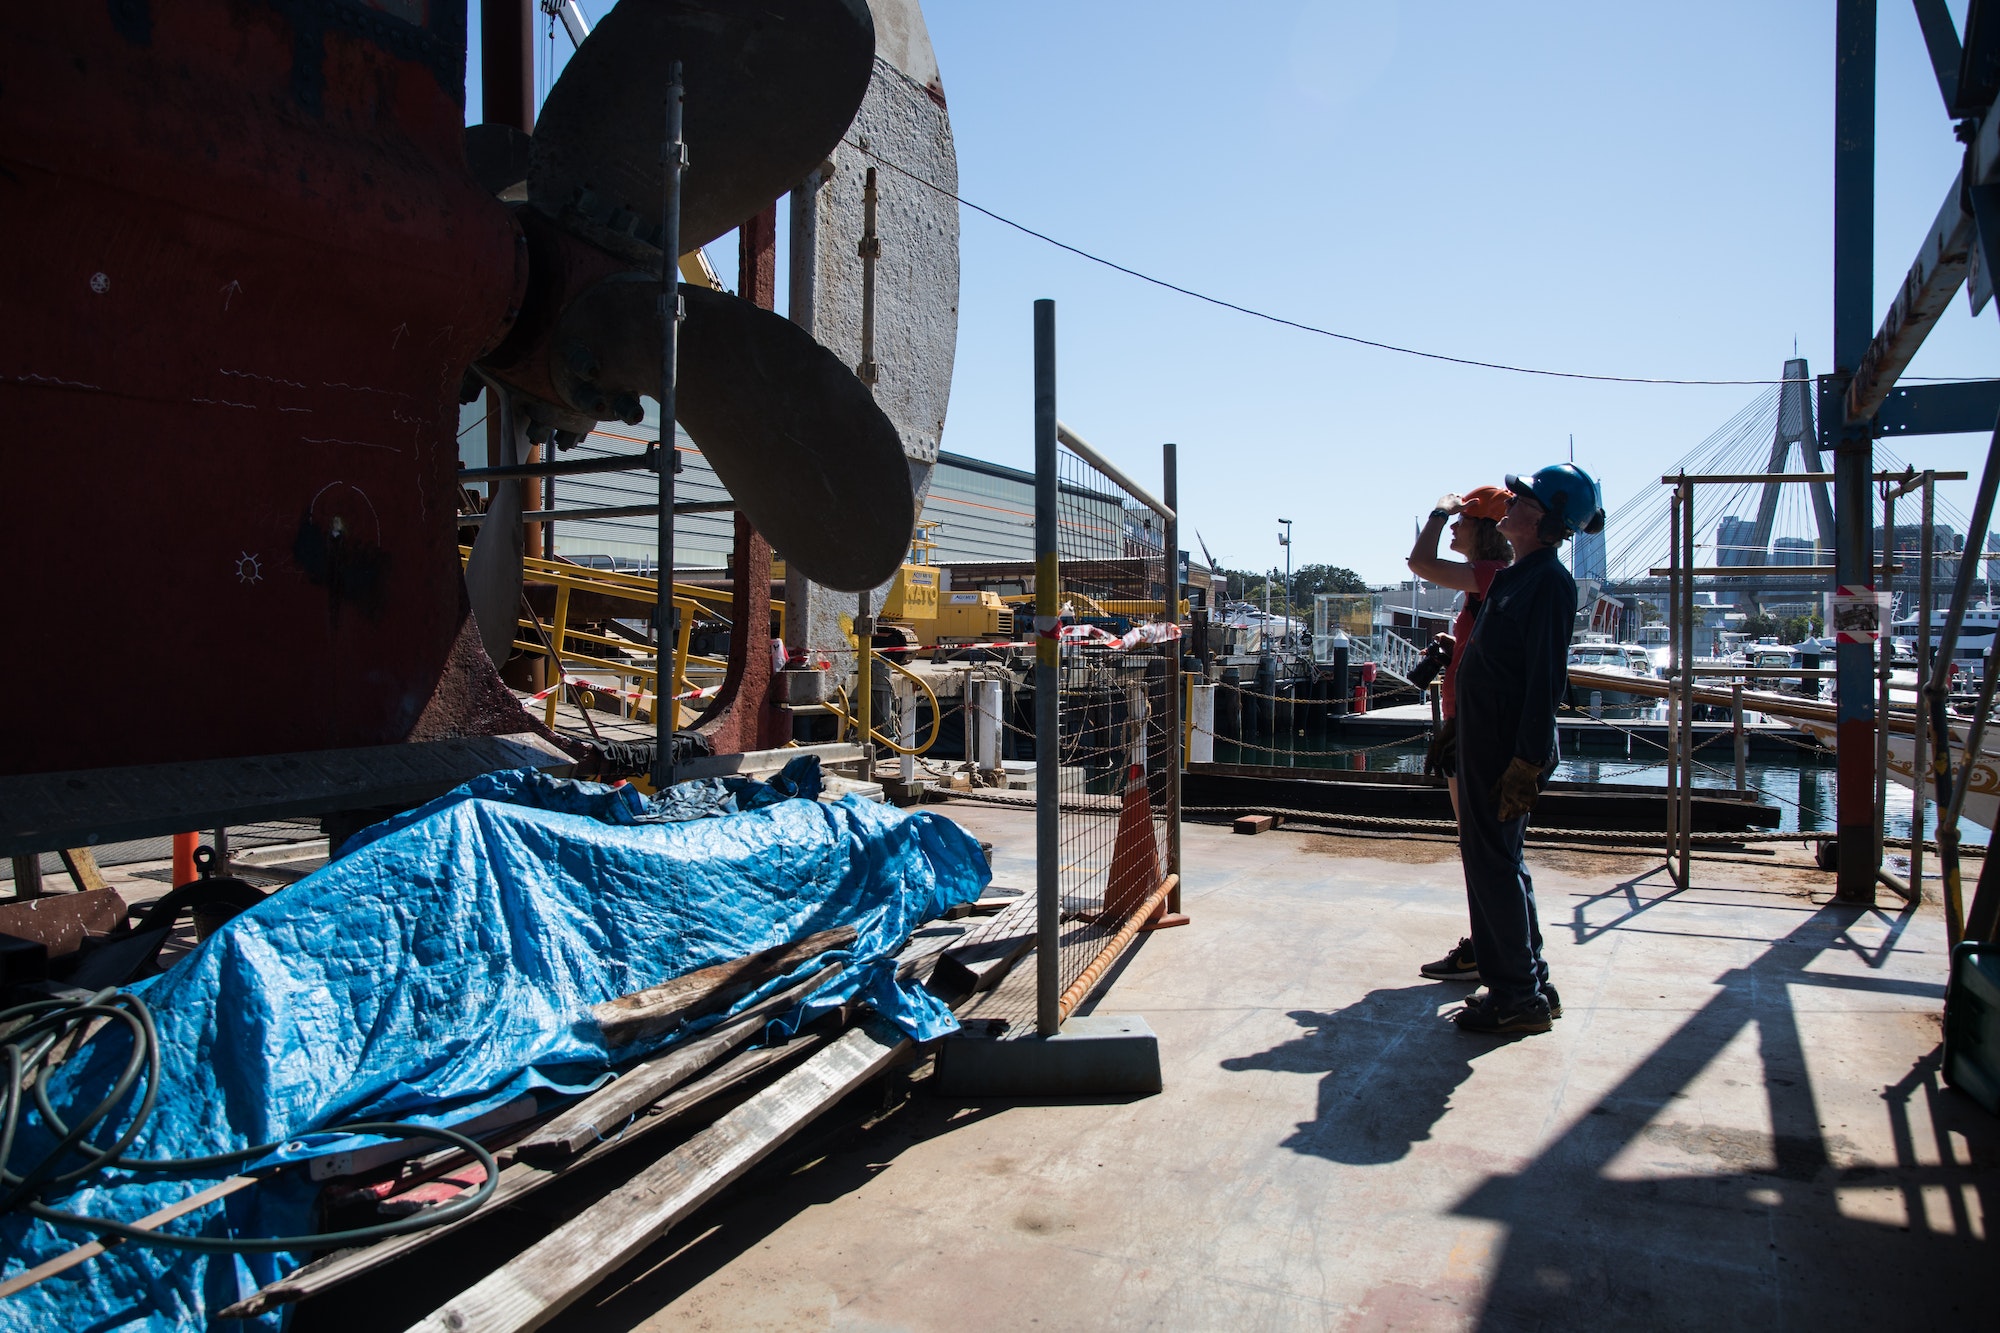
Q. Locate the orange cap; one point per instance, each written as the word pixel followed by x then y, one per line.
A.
pixel 1486 502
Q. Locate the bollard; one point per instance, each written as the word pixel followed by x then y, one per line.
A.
pixel 1262 698
pixel 906 731
pixel 1229 705
pixel 1201 745
pixel 986 725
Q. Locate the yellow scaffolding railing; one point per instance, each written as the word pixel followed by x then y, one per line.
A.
pixel 847 719
pixel 642 591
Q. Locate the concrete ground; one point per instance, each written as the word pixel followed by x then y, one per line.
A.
pixel 1739 1123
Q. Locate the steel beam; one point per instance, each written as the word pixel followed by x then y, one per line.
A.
pixel 1941 41
pixel 564 467
pixel 1853 280
pixel 1940 409
pixel 1979 67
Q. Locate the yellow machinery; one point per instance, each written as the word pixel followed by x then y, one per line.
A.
pixel 1102 608
pixel 920 614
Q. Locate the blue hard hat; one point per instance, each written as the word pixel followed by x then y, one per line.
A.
pixel 1567 492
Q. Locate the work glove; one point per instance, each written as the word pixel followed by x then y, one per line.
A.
pixel 1517 789
pixel 1441 760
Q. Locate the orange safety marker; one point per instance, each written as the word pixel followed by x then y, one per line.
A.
pixel 184 845
pixel 1135 855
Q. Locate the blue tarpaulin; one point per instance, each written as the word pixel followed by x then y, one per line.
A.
pixel 445 966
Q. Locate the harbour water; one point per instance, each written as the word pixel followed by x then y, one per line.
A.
pixel 1802 787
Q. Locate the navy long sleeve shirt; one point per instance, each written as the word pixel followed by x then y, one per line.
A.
pixel 1513 675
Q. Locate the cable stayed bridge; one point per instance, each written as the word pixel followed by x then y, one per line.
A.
pixel 1768 519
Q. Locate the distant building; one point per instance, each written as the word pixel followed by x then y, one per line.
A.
pixel 1794 551
pixel 1735 542
pixel 1587 556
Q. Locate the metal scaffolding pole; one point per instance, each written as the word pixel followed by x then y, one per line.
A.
pixel 1686 728
pixel 1675 664
pixel 666 618
pixel 1886 656
pixel 1048 662
pixel 1853 329
pixel 1170 484
pixel 1919 756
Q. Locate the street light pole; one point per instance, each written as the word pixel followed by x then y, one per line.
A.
pixel 1285 540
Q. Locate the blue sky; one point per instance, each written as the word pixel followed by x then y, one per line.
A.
pixel 1625 190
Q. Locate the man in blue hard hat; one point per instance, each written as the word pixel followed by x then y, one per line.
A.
pixel 1511 679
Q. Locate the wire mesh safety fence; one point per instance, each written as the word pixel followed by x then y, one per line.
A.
pixel 1116 750
pixel 1107 714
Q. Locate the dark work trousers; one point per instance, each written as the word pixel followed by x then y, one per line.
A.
pixel 1506 929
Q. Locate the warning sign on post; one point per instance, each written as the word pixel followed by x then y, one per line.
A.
pixel 1856 614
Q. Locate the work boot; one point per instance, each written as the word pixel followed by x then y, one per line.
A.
pixel 1555 1000
pixel 1485 1016
pixel 1458 965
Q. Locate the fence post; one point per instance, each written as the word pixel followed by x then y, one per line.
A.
pixel 1171 483
pixel 1742 745
pixel 1919 756
pixel 1048 648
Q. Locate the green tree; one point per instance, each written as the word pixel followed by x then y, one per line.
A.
pixel 1310 579
pixel 1759 626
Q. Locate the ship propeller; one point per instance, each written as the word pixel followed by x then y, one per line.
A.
pixel 800 443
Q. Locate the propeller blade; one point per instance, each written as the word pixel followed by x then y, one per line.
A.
pixel 797 439
pixel 493 570
pixel 498 156
pixel 771 86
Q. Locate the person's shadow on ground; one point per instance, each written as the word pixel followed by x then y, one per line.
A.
pixel 1390 1063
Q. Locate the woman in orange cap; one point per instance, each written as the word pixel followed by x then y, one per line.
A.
pixel 1475 534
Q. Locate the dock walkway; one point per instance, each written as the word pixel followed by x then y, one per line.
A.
pixel 1738 1123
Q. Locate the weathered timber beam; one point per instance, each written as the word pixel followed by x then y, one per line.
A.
pixel 671 1003
pixel 983 958
pixel 604 1113
pixel 540 1283
pixel 1934 278
pixel 516 1181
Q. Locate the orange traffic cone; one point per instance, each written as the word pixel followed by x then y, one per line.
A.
pixel 1135 855
pixel 1135 860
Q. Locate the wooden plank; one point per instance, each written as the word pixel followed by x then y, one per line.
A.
pixel 28 876
pixel 1934 277
pixel 43 811
pixel 752 763
pixel 666 1006
pixel 516 1181
pixel 59 921
pixel 987 952
pixel 601 1114
pixel 539 1284
pixel 82 867
pixel 1255 824
pixel 62 1263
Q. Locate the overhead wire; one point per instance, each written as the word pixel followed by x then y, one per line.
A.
pixel 1299 325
